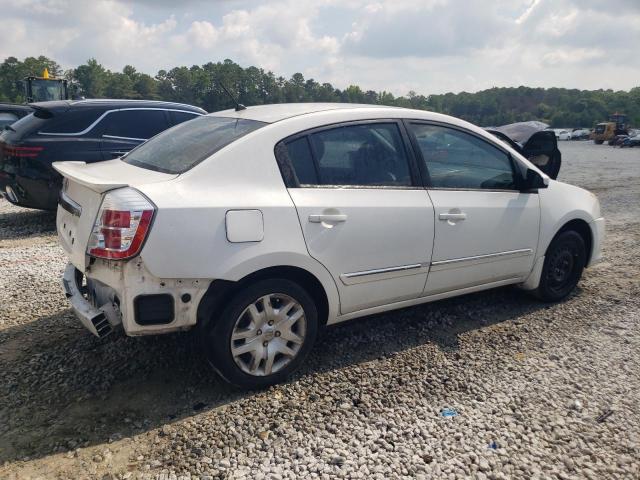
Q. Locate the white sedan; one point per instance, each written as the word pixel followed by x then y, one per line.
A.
pixel 260 226
pixel 563 134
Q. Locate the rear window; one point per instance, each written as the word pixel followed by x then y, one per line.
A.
pixel 182 147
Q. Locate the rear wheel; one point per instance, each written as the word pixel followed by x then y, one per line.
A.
pixel 264 333
pixel 563 265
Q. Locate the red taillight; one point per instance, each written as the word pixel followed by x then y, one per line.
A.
pixel 22 152
pixel 116 218
pixel 122 225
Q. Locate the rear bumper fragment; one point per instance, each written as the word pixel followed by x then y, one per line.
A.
pixel 94 319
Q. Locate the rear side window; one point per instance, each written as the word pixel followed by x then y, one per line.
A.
pixel 301 160
pixel 71 122
pixel 135 124
pixel 371 154
pixel 179 117
pixel 182 147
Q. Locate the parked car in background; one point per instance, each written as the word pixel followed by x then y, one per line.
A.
pixel 563 135
pixel 85 130
pixel 12 112
pixel 631 141
pixel 580 134
pixel 618 140
pixel 263 225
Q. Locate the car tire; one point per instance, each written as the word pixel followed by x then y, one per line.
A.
pixel 253 344
pixel 564 262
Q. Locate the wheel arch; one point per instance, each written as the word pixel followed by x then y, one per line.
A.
pixel 221 290
pixel 579 225
pixel 583 229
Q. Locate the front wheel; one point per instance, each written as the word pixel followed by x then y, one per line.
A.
pixel 563 265
pixel 264 333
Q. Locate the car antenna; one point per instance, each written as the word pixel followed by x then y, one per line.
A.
pixel 239 106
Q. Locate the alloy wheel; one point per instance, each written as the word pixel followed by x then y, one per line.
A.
pixel 268 334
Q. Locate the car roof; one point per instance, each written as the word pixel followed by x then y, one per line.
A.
pixel 108 103
pixel 281 111
pixel 15 107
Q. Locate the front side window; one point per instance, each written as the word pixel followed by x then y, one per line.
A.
pixel 135 124
pixel 455 159
pixel 180 148
pixel 370 154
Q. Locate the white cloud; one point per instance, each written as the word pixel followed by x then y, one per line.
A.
pixel 429 46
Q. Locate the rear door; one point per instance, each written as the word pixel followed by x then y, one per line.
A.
pixel 125 129
pixel 363 212
pixel 486 230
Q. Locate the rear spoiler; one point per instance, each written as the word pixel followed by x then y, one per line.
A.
pixel 40 111
pixel 77 172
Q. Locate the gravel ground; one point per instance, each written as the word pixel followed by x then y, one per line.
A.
pixel 540 391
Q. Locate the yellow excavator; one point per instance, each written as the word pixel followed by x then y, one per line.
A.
pixel 607 131
pixel 36 89
pixel 45 88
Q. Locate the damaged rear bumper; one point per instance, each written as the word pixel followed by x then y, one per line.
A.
pixel 99 321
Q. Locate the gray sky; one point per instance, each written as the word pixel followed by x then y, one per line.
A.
pixel 429 46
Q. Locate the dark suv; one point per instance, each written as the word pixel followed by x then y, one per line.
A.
pixel 84 130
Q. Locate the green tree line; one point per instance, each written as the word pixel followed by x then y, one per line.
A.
pixel 201 85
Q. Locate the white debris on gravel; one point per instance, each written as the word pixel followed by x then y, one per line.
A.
pixel 539 391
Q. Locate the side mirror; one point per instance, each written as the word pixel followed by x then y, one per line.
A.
pixel 534 180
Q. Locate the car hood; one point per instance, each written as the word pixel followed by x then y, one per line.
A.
pixel 534 141
pixel 521 132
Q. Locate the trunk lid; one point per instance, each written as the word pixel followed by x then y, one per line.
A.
pixel 81 196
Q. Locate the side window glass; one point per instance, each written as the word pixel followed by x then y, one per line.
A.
pixel 72 122
pixel 179 117
pixel 301 160
pixel 135 124
pixel 455 159
pixel 365 155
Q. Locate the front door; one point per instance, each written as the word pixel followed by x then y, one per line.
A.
pixel 363 213
pixel 486 230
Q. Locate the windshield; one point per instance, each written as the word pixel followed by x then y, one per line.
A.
pixel 182 147
pixel 46 90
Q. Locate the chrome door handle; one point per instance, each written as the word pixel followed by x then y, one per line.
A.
pixel 452 216
pixel 329 218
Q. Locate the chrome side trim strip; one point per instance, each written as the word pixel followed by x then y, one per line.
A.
pixel 383 273
pixel 420 300
pixel 459 262
pixel 125 138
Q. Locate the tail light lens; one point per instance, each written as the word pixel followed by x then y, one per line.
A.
pixel 22 152
pixel 122 225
